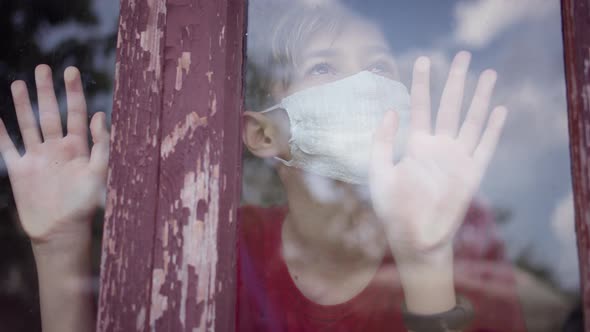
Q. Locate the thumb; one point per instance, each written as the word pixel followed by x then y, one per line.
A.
pixel 383 141
pixel 99 156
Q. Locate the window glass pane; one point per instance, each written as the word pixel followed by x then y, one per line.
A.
pixel 59 34
pixel 361 193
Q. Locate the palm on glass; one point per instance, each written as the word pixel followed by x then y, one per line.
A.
pixel 423 198
pixel 58 182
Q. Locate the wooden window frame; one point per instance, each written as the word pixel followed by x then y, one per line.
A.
pixel 576 44
pixel 169 246
pixel 168 255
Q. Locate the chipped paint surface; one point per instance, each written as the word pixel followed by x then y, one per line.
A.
pixel 130 210
pixel 180 131
pixel 175 135
pixel 576 24
pixel 213 104
pixel 150 38
pixel 183 68
pixel 222 36
pixel 140 319
pixel 199 253
pixel 160 305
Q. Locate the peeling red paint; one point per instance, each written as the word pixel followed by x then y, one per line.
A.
pixel 213 105
pixel 180 131
pixel 175 134
pixel 151 39
pixel 159 306
pixel 199 253
pixel 140 318
pixel 184 64
pixel 133 167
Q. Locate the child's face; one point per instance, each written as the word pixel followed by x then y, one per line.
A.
pixel 333 55
pixel 325 57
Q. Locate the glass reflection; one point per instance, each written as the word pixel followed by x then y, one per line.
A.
pixel 81 34
pixel 349 210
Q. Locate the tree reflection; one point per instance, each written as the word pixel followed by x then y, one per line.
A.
pixel 59 34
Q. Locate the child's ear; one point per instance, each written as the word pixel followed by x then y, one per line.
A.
pixel 261 135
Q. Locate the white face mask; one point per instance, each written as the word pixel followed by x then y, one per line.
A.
pixel 332 124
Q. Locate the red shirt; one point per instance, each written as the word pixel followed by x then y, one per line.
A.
pixel 268 299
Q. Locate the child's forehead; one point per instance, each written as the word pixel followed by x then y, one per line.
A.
pixel 360 35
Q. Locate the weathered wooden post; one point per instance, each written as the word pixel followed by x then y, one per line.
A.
pixel 576 36
pixel 169 255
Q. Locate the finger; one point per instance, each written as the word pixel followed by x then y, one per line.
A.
pixel 490 137
pixel 420 99
pixel 7 148
pixel 382 147
pixel 452 96
pixel 48 108
pixel 99 156
pixel 77 114
pixel 477 114
pixel 24 113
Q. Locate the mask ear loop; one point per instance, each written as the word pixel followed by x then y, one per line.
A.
pixel 283 161
pixel 272 108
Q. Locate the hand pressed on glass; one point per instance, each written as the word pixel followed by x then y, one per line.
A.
pixel 423 198
pixel 57 183
pixel 57 186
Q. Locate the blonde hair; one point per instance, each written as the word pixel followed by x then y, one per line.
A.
pixel 273 57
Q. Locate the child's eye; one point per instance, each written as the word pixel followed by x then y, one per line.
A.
pixel 320 69
pixel 380 68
